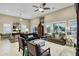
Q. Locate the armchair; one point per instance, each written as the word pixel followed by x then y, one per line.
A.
pixel 36 50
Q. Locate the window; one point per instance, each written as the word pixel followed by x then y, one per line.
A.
pixel 34 29
pixel 7 28
pixel 73 28
pixel 24 28
pixel 59 27
pixel 56 27
pixel 49 28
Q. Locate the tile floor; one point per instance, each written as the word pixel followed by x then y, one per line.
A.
pixel 11 49
pixel 60 50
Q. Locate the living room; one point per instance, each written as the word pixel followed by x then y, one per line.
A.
pixel 58 22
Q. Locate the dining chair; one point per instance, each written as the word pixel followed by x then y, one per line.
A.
pixel 22 44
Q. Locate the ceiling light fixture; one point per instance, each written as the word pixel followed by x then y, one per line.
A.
pixel 41 9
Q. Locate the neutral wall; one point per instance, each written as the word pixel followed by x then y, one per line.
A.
pixel 60 15
pixel 4 19
pixel 64 14
pixel 34 22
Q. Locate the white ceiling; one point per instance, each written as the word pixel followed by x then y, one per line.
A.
pixel 13 9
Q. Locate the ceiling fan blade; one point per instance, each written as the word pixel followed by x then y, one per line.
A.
pixel 42 11
pixel 46 8
pixel 35 6
pixel 43 4
pixel 36 10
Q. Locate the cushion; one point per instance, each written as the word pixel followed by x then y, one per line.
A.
pixel 29 36
pixel 39 42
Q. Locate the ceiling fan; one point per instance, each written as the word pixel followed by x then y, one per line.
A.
pixel 41 8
